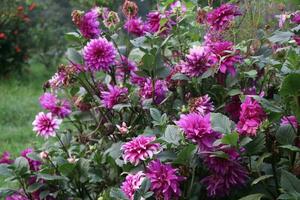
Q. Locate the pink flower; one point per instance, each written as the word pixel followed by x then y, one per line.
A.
pixel 296 17
pixel 178 7
pixel 46 124
pixel 135 26
pixel 220 18
pixel 99 54
pixel 226 55
pixel 5 158
pixel 125 68
pixel 153 23
pixel 140 149
pixel 202 105
pixel 61 108
pixel 297 39
pixel 251 116
pixel 34 164
pixel 132 183
pixel 197 128
pixel 282 19
pixel 289 120
pixel 160 91
pixel 164 180
pixel 17 196
pixel 89 24
pixel 123 128
pixel 198 61
pixel 113 96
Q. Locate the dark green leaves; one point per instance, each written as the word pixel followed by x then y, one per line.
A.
pixel 172 135
pixel 285 135
pixel 290 85
pixel 281 37
pixel 289 182
pixel 74 56
pixel 221 123
pixel 257 196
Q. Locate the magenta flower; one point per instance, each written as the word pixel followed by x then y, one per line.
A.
pixel 198 61
pixel 140 149
pixel 125 68
pixel 227 56
pixel 233 108
pixel 251 116
pixel 113 96
pixel 46 124
pixel 5 158
pixel 99 54
pixel 289 120
pixel 164 180
pixel 297 39
pixel 34 164
pixel 296 17
pixel 153 19
pixel 61 108
pixel 89 24
pixel 135 26
pixel 178 7
pixel 197 128
pixel 160 90
pixel 220 18
pixel 16 196
pixel 202 105
pixel 132 183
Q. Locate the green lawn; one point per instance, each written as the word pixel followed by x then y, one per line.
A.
pixel 18 107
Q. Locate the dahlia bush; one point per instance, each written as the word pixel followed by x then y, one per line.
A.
pixel 170 105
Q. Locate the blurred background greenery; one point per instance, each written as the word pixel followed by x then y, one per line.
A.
pixel 32 44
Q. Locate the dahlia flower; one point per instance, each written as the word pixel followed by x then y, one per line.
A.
pixel 296 17
pixel 5 158
pixel 198 61
pixel 227 56
pixel 135 26
pixel 99 54
pixel 34 164
pixel 113 96
pixel 16 196
pixel 289 120
pixel 251 116
pixel 164 180
pixel 140 149
pixel 111 20
pixel 132 183
pixel 202 105
pixel 89 24
pixel 178 7
pixel 197 128
pixel 220 18
pixel 153 23
pixel 130 9
pixel 61 108
pixel 160 90
pixel 46 124
pixel 124 68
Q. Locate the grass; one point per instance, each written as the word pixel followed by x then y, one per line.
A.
pixel 18 107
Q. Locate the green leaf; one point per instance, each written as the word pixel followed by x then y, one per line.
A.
pixel 118 194
pixel 251 73
pixel 221 123
pixel 285 135
pixel 234 92
pixel 185 154
pixel 290 85
pixel 290 147
pixel 179 76
pixel 136 55
pixel 115 150
pixel 257 196
pixel 268 105
pixel 257 145
pixel 5 171
pixel 261 178
pixel 50 177
pixel 172 135
pixel 73 37
pixel 21 164
pixel 280 37
pixel 74 56
pixel 155 114
pixel 289 182
pixel 231 139
pixel 6 192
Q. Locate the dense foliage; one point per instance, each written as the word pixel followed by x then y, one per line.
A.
pixel 15 40
pixel 174 106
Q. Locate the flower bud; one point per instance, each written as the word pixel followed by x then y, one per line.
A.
pixel 130 9
pixel 44 155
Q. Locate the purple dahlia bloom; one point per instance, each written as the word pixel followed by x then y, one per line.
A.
pixel 251 117
pixel 153 23
pixel 289 120
pixel 99 54
pixel 132 183
pixel 220 18
pixel 46 124
pixel 135 26
pixel 61 108
pixel 34 164
pixel 5 158
pixel 178 7
pixel 227 56
pixel 125 67
pixel 198 61
pixel 16 196
pixel 296 17
pixel 89 24
pixel 113 96
pixel 202 105
pixel 48 101
pixel 160 90
pixel 164 180
pixel 140 149
pixel 197 128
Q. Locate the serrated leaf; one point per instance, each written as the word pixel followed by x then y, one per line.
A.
pixel 289 182
pixel 280 37
pixel 172 135
pixel 257 145
pixel 290 85
pixel 155 114
pixel 285 135
pixel 185 154
pixel 231 139
pixel 118 194
pixel 74 56
pixel 221 123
